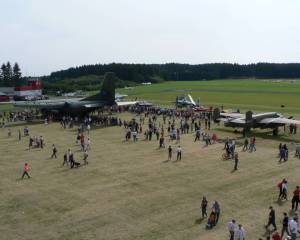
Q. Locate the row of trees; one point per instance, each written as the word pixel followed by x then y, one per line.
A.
pixel 10 76
pixel 173 71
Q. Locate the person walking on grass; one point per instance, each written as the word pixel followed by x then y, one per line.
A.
pixel 284 190
pixel 204 207
pixel 285 225
pixel 20 135
pixel 217 209
pixel 279 185
pixel 281 154
pixel 295 199
pixel 236 161
pixel 25 170
pixel 85 156
pixel 65 160
pixel 240 233
pixel 252 144
pixel 246 143
pixel 54 151
pixel 271 220
pixel 179 152
pixel 293 226
pixel 231 228
pixel 170 150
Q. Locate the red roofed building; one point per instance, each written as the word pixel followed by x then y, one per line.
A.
pixel 33 88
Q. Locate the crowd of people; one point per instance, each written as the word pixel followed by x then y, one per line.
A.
pixel 148 126
pixel 14 116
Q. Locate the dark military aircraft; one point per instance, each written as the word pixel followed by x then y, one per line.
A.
pixel 78 107
pixel 272 120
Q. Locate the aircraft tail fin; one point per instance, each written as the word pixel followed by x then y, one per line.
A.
pixel 191 99
pixel 107 92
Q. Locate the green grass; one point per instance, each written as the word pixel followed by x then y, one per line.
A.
pixel 129 192
pixel 4 107
pixel 256 95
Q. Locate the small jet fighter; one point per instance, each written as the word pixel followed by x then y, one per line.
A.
pixel 181 101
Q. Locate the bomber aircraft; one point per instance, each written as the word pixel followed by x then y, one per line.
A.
pixel 78 107
pixel 272 120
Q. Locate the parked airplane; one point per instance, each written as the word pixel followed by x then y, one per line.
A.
pixel 106 97
pixel 120 97
pixel 272 120
pixel 183 102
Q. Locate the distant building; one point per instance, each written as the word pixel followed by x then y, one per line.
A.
pixel 10 91
pixel 29 88
pixel 4 97
pixel 33 88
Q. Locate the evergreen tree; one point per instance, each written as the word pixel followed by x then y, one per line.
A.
pixel 16 75
pixel 8 75
pixel 2 75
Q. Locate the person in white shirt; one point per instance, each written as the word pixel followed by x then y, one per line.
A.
pixel 179 150
pixel 293 226
pixel 231 228
pixel 88 128
pixel 284 190
pixel 85 156
pixel 134 135
pixel 87 144
pixel 239 233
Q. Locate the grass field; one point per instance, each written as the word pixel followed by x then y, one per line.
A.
pixel 129 192
pixel 245 94
pixel 257 95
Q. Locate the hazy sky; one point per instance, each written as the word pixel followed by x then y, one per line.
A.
pixel 49 35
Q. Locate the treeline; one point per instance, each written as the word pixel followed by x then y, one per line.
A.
pixel 84 83
pixel 180 72
pixel 10 76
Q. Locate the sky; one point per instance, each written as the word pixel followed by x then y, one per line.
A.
pixel 51 35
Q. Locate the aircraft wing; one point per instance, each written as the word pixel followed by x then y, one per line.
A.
pixel 93 105
pixel 223 119
pixel 126 103
pixel 238 120
pixel 279 120
pixel 232 115
pixel 233 120
pixel 38 104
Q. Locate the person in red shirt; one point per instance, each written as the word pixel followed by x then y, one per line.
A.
pixel 82 141
pixel 214 138
pixel 25 171
pixel 276 236
pixel 295 199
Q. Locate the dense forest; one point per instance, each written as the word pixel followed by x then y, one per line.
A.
pixel 180 72
pixel 89 77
